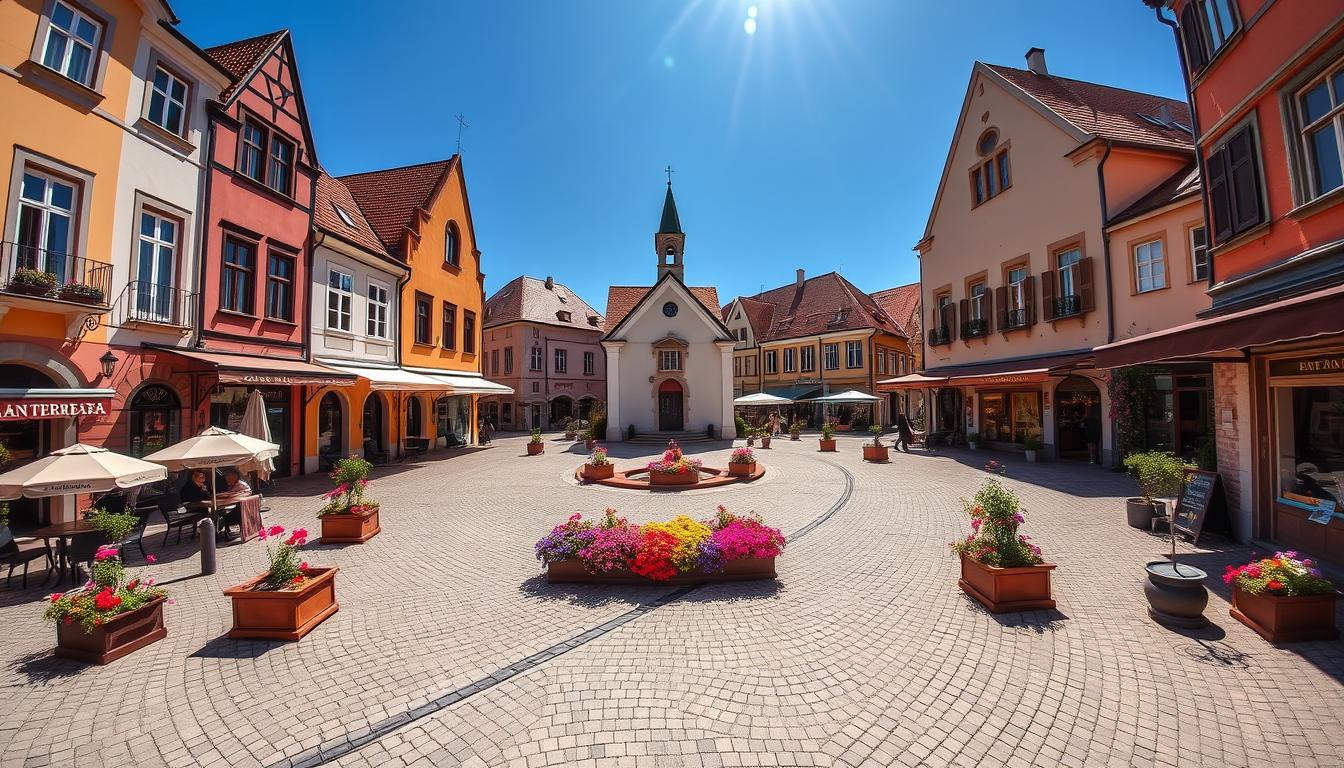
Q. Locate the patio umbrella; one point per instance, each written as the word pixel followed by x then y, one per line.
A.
pixel 78 469
pixel 848 396
pixel 255 425
pixel 762 398
pixel 214 447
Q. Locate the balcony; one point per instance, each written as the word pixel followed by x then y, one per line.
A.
pixel 939 336
pixel 74 287
pixel 1067 306
pixel 152 305
pixel 1014 319
pixel 974 328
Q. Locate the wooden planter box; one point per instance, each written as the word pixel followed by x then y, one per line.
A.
pixel 738 469
pixel 350 529
pixel 842 427
pixel 1286 619
pixel 283 614
pixel 1005 590
pixel 598 471
pixel 747 569
pixel 674 478
pixel 118 636
pixel 827 446
pixel 875 453
pixel 29 290
pixel 535 449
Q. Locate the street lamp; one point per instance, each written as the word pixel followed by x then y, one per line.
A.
pixel 109 363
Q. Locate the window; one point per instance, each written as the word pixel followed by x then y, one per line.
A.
pixel 345 217
pixel 1017 288
pixel 771 362
pixel 588 364
pixel 469 332
pixel 901 359
pixel 669 360
pixel 830 354
pixel 281 172
pixel 266 157
pixel 976 305
pixel 253 151
pixel 449 340
pixel 451 245
pixel 809 358
pixel 494 362
pixel 46 223
pixel 990 178
pixel 1234 186
pixel 563 316
pixel 881 361
pixel 536 359
pixel 71 44
pixel 508 360
pixel 853 354
pixel 741 334
pixel 156 261
pixel 340 298
pixel 1199 254
pixel 423 306
pixel 1149 267
pixel 790 355
pixel 280 287
pixel 737 366
pixel 1206 26
pixel 1320 124
pixel 168 102
pixel 239 268
pixel 1066 262
pixel 377 311
pixel 561 360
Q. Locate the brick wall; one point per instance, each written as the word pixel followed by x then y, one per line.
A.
pixel 1232 428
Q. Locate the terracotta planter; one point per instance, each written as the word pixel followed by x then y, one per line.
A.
pixel 571 435
pixel 80 297
pixel 598 471
pixel 1286 619
pixel 751 441
pixel 875 453
pixel 674 478
pixel 283 614
pixel 765 442
pixel 535 449
pixel 827 446
pixel 590 444
pixel 842 427
pixel 118 636
pixel 795 436
pixel 1005 590
pixel 738 469
pixel 747 569
pixel 350 529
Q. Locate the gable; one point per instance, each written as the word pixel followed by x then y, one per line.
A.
pixel 645 322
pixel 272 91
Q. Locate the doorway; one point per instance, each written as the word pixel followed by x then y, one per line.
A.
pixel 414 427
pixel 670 400
pixel 373 423
pixel 330 429
pixel 1077 419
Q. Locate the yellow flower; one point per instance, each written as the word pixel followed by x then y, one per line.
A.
pixel 689 533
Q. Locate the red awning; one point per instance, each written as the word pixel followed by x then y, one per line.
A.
pixel 1320 313
pixel 266 371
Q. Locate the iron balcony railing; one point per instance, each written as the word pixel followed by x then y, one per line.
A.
pixel 1067 306
pixel 1016 318
pixel 146 302
pixel 50 274
pixel 974 328
pixel 939 336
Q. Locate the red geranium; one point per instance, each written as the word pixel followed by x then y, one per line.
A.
pixel 653 559
pixel 106 600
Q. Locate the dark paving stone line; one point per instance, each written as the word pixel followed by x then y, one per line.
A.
pixel 362 737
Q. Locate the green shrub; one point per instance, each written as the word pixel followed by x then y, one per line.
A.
pixel 741 423
pixel 115 526
pixel 972 437
pixel 536 436
pixel 828 431
pixel 1158 473
pixel 1034 443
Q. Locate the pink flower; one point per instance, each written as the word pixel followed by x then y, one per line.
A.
pixel 105 552
pixel 275 530
pixel 151 559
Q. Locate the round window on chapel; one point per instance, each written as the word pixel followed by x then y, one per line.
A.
pixel 670 309
pixel 988 141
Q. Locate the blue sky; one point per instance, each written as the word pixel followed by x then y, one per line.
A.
pixel 815 142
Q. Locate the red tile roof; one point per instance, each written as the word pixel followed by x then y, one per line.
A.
pixel 902 305
pixel 1104 111
pixel 823 304
pixel 527 299
pixel 331 193
pixel 392 198
pixel 759 314
pixel 623 298
pixel 239 57
pixel 1181 185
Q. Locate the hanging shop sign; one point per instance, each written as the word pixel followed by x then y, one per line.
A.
pixel 52 407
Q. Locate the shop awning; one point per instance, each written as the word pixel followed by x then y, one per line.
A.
pixel 1031 370
pixel 390 379
pixel 1007 378
pixel 53 403
pixel 466 384
pixel 1320 313
pixel 264 371
pixel 911 381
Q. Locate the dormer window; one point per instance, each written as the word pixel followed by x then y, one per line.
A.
pixel 563 316
pixel 345 217
pixel 592 320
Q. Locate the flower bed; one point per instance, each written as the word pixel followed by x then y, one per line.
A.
pixel 347 516
pixel 289 599
pixel 673 468
pixel 742 463
pixel 681 550
pixel 1283 598
pixel 1000 568
pixel 598 466
pixel 110 616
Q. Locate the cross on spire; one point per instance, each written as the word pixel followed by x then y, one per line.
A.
pixel 461 123
pixel 668 170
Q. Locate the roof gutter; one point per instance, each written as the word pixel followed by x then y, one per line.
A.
pixel 1106 243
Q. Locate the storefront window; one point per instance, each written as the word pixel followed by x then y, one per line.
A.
pixel 994 425
pixel 228 404
pixel 1310 442
pixel 1009 417
pixel 453 415
pixel 154 414
pixel 330 426
pixel 1161 415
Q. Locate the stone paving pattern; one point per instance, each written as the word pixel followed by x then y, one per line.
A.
pixel 862 653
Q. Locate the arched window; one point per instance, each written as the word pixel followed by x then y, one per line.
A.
pixel 452 245
pixel 154 415
pixel 413 426
pixel 988 141
pixel 331 428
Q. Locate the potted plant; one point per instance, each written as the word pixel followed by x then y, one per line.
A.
pixel 589 438
pixel 727 547
pixel 1001 568
pixel 765 436
pixel 84 294
pixel 973 440
pixel 571 429
pixel 1033 443
pixel 796 431
pixel 827 440
pixel 1159 475
pixel 535 446
pixel 598 466
pixel 875 451
pixel 742 463
pixel 33 282
pixel 111 615
pixel 347 517
pixel 751 436
pixel 289 599
pixel 673 468
pixel 1284 598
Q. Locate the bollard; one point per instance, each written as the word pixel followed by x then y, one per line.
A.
pixel 206 530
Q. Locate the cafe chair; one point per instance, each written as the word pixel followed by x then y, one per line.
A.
pixel 137 537
pixel 13 556
pixel 80 551
pixel 177 517
pixel 373 454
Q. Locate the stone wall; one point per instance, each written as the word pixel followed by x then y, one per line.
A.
pixel 1233 430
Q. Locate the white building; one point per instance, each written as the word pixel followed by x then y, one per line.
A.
pixel 669 356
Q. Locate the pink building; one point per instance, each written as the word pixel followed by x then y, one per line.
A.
pixel 541 338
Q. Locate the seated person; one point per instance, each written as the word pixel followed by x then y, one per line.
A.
pixel 233 485
pixel 195 489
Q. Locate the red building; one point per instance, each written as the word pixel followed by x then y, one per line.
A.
pixel 1267 91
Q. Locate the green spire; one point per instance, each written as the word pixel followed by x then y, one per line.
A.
pixel 670 224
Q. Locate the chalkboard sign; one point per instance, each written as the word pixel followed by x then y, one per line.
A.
pixel 1201 489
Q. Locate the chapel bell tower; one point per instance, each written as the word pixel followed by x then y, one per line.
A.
pixel 670 241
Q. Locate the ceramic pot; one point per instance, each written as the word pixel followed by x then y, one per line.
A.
pixel 875 453
pixel 827 446
pixel 535 449
pixel 1140 513
pixel 737 469
pixel 1176 594
pixel 598 471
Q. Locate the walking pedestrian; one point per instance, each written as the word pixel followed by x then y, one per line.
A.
pixel 774 423
pixel 903 434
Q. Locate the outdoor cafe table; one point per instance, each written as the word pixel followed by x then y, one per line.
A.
pixel 247 524
pixel 62 532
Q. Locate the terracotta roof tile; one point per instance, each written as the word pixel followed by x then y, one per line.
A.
pixel 823 304
pixel 527 299
pixel 623 298
pixel 759 314
pixel 239 57
pixel 391 199
pixel 1182 184
pixel 331 193
pixel 902 305
pixel 1104 111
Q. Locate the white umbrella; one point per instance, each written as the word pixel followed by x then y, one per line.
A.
pixel 78 469
pixel 849 396
pixel 255 425
pixel 214 447
pixel 762 398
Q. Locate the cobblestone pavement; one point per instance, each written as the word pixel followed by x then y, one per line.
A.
pixel 450 649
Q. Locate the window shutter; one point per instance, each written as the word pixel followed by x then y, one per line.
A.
pixel 1048 293
pixel 987 309
pixel 1220 196
pixel 1195 57
pixel 964 306
pixel 1242 179
pixel 1001 301
pixel 1030 290
pixel 950 321
pixel 1087 296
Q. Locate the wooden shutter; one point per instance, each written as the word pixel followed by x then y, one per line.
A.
pixel 936 321
pixel 964 306
pixel 950 321
pixel 1191 34
pixel 987 309
pixel 1048 294
pixel 1001 301
pixel 1087 298
pixel 1220 196
pixel 1244 183
pixel 1029 291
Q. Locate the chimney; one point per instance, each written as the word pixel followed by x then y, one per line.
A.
pixel 802 277
pixel 550 283
pixel 1036 61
